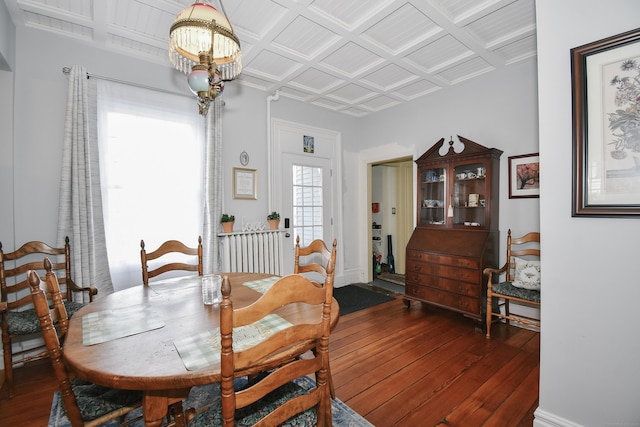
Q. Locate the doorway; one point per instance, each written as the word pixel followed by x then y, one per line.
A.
pixel 319 212
pixel 306 200
pixel 391 214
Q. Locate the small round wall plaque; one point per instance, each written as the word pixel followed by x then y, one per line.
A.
pixel 244 158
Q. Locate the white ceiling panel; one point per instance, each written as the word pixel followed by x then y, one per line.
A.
pixel 354 57
pixel 401 29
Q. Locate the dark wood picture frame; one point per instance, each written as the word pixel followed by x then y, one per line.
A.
pixel 606 127
pixel 524 176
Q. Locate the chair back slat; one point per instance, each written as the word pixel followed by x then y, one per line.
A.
pixel 167 250
pixel 525 247
pixel 315 258
pixel 15 265
pixel 14 291
pixel 288 291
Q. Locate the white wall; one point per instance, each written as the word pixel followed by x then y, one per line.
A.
pixel 498 110
pixel 7 39
pixel 39 130
pixel 6 160
pixel 7 48
pixel 590 346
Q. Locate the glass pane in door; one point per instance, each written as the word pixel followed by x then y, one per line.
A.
pixel 307 203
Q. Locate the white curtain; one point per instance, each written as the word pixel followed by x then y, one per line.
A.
pixel 152 153
pixel 80 209
pixel 213 187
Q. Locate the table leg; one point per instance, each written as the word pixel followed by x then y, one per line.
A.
pixel 155 404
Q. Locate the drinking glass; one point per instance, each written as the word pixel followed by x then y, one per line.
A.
pixel 211 292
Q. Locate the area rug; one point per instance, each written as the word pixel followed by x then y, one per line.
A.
pixel 387 286
pixel 203 395
pixel 398 279
pixel 356 297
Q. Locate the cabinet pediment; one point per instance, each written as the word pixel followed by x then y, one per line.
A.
pixel 464 148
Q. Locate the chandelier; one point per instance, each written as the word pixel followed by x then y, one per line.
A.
pixel 203 45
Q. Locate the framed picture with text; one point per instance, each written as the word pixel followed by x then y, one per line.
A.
pixel 606 127
pixel 245 184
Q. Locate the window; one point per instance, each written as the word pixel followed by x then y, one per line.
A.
pixel 151 161
pixel 307 204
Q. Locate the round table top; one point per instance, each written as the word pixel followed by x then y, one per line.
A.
pixel 149 360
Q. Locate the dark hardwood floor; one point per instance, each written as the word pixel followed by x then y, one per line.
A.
pixel 397 367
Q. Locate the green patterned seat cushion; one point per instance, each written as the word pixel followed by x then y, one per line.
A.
pixel 26 322
pixel 506 288
pixel 23 322
pixel 249 415
pixel 72 307
pixel 95 401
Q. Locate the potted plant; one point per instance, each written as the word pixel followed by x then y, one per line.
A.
pixel 227 222
pixel 274 220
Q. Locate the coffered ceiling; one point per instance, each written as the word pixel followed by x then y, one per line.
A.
pixel 351 56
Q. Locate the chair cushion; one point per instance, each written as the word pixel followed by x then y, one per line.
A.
pixel 527 274
pixel 249 415
pixel 26 322
pixel 95 401
pixel 72 307
pixel 507 288
pixel 23 322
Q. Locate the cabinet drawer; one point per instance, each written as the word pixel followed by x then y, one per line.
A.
pixel 455 301
pixel 455 261
pixel 426 268
pixel 450 285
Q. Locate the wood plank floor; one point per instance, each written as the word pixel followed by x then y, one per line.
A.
pixel 397 367
pixel 429 367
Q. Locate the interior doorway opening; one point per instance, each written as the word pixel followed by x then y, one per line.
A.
pixel 390 213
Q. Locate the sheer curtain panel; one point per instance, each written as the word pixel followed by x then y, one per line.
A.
pixel 152 166
pixel 213 188
pixel 80 208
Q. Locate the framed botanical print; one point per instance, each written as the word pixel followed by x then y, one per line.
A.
pixel 606 127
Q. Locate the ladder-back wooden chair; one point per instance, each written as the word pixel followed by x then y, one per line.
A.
pixel 166 250
pixel 85 404
pixel 314 260
pixel 518 280
pixel 275 397
pixel 19 320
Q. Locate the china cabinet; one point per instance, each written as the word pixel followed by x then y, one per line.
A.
pixel 457 232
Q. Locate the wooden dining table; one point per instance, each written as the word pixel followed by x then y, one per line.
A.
pixel 156 318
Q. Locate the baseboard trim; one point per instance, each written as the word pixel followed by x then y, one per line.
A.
pixel 545 419
pixel 353 275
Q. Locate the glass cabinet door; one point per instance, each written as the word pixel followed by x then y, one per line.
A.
pixel 432 204
pixel 469 192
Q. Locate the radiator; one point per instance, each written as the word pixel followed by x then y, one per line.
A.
pixel 252 251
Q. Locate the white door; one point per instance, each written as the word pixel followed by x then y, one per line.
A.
pixel 306 201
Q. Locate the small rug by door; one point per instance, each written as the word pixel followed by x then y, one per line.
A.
pixel 356 297
pixel 387 286
pixel 398 279
pixel 202 395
